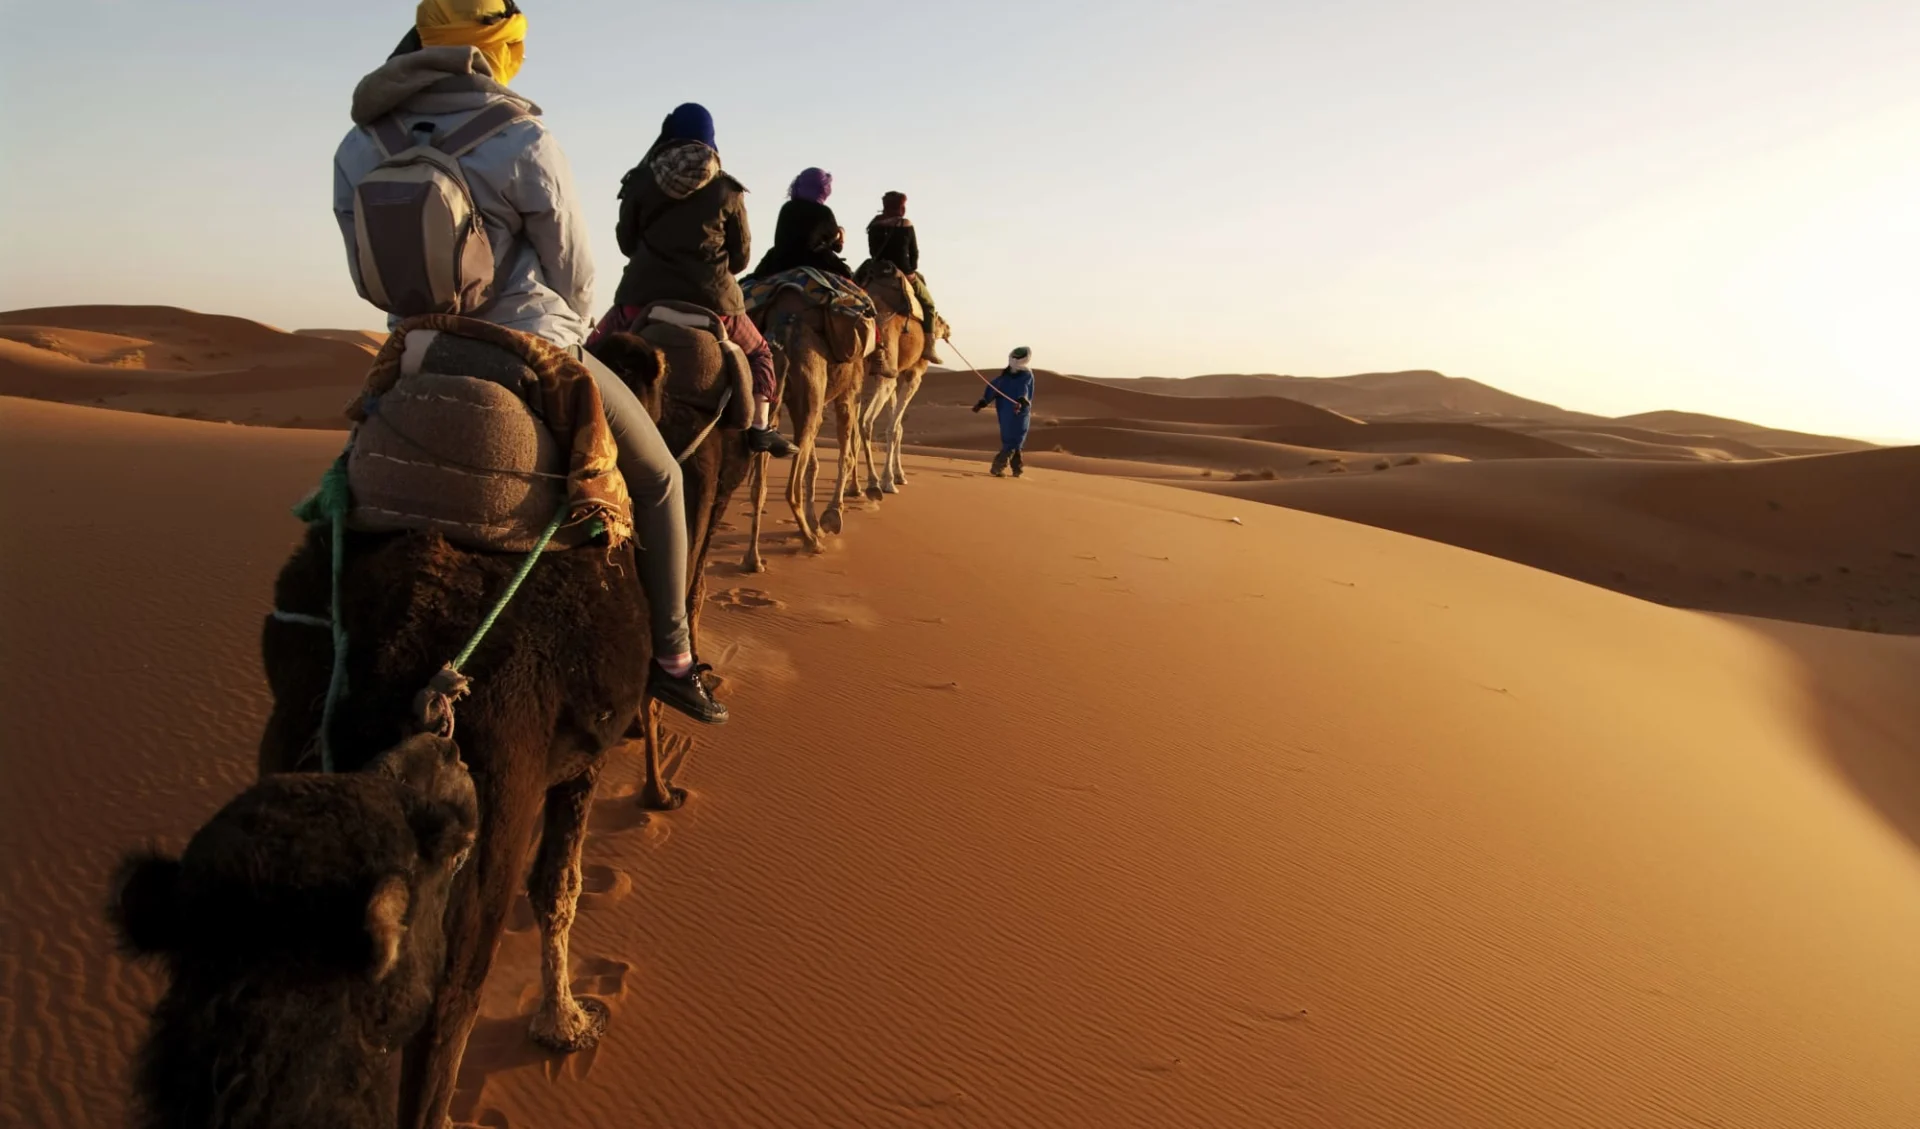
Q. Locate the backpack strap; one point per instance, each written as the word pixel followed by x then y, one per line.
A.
pixel 390 135
pixel 464 137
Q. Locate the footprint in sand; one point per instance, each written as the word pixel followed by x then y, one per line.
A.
pixel 745 599
pixel 604 885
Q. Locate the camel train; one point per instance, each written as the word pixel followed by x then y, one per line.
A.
pixel 373 925
pixel 502 580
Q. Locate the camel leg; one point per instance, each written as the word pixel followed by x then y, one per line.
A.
pixel 903 396
pixel 809 500
pixel 656 794
pixel 808 413
pixel 877 412
pixel 476 915
pixel 846 418
pixel 564 1023
pixel 754 563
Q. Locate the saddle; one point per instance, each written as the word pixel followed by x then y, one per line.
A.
pixel 705 369
pixel 889 285
pixel 454 447
pixel 846 311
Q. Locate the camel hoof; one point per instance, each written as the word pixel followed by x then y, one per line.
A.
pixel 582 1034
pixel 877 493
pixel 674 800
pixel 753 565
pixel 899 480
pixel 890 488
pixel 830 522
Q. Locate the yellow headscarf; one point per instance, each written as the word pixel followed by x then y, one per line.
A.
pixel 456 23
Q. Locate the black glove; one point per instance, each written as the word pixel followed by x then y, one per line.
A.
pixel 979 405
pixel 1024 405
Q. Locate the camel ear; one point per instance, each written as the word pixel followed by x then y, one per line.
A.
pixel 144 908
pixel 387 923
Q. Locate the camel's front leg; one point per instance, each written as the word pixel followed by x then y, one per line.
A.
pixel 564 1022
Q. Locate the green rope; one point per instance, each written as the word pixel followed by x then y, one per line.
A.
pixel 329 503
pixel 519 577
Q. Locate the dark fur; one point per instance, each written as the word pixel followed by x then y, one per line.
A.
pixel 287 995
pixel 557 682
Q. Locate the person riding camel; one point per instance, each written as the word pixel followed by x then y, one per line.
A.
pixel 807 234
pixel 891 239
pixel 683 227
pixel 455 64
pixel 1011 394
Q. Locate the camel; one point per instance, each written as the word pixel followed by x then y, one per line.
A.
pixel 894 373
pixel 810 381
pixel 302 937
pixel 555 686
pixel 711 474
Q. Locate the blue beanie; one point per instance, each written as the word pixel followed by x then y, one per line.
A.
pixel 689 121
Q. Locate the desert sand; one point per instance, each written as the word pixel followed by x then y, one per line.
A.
pixel 1074 801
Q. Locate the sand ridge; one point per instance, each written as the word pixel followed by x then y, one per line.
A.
pixel 1071 801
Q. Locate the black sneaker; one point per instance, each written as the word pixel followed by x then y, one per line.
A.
pixel 999 467
pixel 765 440
pixel 1019 468
pixel 689 694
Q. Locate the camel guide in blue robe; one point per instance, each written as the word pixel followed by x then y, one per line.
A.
pixel 1011 394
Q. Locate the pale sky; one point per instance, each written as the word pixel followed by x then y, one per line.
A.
pixel 1615 206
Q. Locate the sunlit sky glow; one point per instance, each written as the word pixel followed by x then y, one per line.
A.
pixel 1615 207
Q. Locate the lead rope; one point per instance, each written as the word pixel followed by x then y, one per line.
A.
pixel 983 378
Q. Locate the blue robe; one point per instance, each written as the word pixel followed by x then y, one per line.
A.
pixel 1014 423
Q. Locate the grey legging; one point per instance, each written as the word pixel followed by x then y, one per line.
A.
pixel 659 506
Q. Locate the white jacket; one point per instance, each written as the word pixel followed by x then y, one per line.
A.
pixel 543 280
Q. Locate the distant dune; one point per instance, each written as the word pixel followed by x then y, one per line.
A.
pixel 165 361
pixel 1365 395
pixel 371 340
pixel 1830 539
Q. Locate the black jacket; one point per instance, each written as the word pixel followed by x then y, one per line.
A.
pixel 805 236
pixel 686 250
pixel 894 241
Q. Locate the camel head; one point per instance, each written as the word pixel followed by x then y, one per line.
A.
pixel 639 363
pixel 302 935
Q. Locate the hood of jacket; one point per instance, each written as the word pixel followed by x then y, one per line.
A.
pixel 433 80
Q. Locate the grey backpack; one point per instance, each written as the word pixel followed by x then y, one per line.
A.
pixel 419 240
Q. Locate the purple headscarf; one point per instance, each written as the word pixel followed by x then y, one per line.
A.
pixel 813 186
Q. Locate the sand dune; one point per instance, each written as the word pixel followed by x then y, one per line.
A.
pixel 1372 395
pixel 1830 539
pixel 368 339
pixel 1781 441
pixel 1072 802
pixel 1074 396
pixel 166 361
